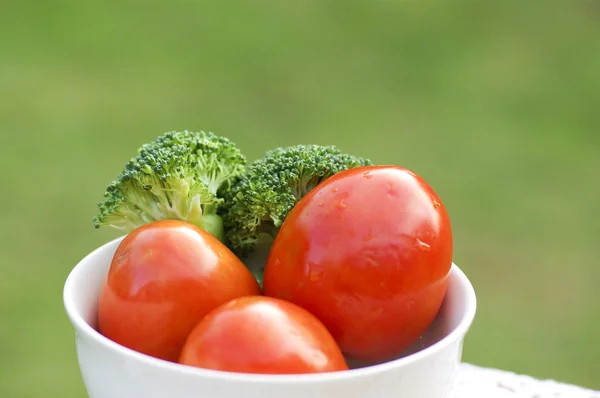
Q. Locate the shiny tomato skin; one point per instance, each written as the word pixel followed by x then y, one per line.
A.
pixel 164 277
pixel 262 335
pixel 368 252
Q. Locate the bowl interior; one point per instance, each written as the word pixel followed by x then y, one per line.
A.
pixel 83 286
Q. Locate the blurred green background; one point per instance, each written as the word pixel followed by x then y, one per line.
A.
pixel 496 104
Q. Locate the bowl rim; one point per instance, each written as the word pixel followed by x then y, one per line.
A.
pixel 82 327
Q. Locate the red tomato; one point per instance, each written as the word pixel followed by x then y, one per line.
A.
pixel 164 277
pixel 367 251
pixel 262 335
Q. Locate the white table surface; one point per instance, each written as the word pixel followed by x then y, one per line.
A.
pixel 476 382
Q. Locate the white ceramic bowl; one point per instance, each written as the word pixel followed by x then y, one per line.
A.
pixel 110 370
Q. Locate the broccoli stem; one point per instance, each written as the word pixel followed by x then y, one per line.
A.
pixel 212 222
pixel 269 229
pixel 207 219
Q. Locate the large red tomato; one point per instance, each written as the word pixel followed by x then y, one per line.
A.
pixel 367 251
pixel 262 335
pixel 164 277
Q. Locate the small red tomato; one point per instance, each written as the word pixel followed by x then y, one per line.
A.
pixel 262 335
pixel 367 251
pixel 164 277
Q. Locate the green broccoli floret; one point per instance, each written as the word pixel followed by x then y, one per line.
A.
pixel 262 197
pixel 177 176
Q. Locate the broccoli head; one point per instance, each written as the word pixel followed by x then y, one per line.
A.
pixel 177 176
pixel 262 197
